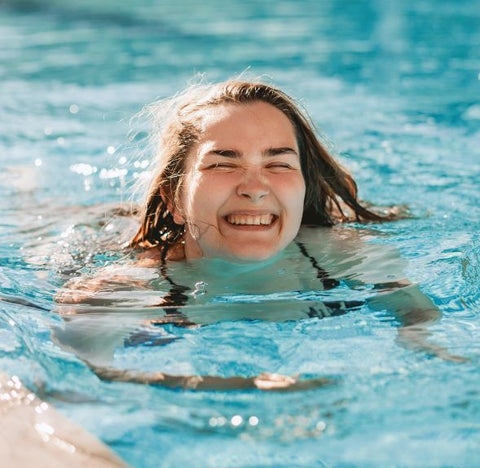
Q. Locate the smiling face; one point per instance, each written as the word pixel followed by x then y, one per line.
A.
pixel 243 192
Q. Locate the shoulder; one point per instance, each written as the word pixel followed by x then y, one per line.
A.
pixel 153 256
pixel 150 257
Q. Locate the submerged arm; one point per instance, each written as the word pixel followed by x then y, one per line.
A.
pixel 416 312
pixel 265 381
pixel 351 254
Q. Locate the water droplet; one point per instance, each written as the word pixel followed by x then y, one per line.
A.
pixel 44 428
pixel 200 289
pixel 74 109
pixel 15 381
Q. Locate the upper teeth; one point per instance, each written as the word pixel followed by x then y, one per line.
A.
pixel 250 219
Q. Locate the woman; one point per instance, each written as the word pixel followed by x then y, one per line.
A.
pixel 238 171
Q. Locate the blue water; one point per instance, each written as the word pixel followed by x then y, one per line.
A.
pixel 393 85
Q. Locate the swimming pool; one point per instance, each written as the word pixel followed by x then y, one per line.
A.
pixel 400 103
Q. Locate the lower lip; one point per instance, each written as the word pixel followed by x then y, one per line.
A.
pixel 251 227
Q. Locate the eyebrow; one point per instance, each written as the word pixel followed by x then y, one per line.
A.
pixel 227 153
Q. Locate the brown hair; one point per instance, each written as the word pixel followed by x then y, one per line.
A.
pixel 331 192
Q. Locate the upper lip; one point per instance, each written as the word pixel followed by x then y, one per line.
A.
pixel 249 213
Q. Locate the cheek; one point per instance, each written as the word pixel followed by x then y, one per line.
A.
pixel 188 195
pixel 204 195
pixel 294 199
pixel 292 191
pixel 300 192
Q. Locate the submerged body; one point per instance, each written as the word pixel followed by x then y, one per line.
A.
pixel 324 274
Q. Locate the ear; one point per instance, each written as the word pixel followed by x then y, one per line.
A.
pixel 175 211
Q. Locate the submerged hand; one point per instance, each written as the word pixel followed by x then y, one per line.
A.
pixel 267 381
pixel 415 337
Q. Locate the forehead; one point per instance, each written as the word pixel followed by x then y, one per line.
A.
pixel 256 122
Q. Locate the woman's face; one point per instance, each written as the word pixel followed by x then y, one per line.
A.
pixel 243 192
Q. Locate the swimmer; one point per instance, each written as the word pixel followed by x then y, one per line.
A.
pixel 238 170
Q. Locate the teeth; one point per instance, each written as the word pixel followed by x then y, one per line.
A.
pixel 250 220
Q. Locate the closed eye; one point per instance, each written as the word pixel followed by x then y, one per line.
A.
pixel 279 167
pixel 221 166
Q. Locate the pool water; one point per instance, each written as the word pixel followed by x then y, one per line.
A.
pixel 394 88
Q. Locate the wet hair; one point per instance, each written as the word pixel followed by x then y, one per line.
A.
pixel 331 192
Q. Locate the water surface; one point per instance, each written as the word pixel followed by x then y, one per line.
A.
pixel 394 86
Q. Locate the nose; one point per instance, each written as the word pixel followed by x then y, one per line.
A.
pixel 253 186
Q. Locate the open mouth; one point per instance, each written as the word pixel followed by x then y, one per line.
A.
pixel 251 219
